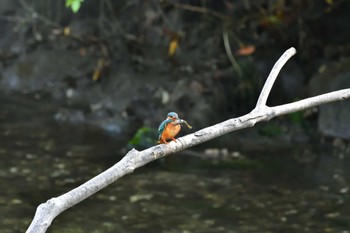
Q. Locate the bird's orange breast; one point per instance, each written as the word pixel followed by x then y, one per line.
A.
pixel 171 131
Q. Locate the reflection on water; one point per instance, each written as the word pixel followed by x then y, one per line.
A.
pixel 302 189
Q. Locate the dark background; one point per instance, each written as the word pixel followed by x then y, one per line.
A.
pixel 79 90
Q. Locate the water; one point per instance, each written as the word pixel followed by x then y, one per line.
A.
pixel 304 188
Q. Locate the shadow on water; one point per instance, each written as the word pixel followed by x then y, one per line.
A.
pixel 303 188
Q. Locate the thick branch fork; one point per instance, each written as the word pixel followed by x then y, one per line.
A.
pixel 47 211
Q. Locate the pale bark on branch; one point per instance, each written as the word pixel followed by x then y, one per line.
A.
pixel 47 211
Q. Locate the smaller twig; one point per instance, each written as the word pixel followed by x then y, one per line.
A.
pixel 311 102
pixel 11 18
pixel 112 21
pixel 163 15
pixel 229 53
pixel 199 10
pixel 264 94
pixel 37 15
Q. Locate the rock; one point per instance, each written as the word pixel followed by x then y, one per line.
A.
pixel 333 119
pixel 45 70
pixel 73 116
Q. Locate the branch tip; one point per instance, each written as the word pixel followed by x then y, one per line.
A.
pixel 265 92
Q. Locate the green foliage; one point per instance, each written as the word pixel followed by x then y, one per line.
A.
pixel 144 137
pixel 74 4
pixel 246 91
pixel 300 119
pixel 297 118
pixel 271 130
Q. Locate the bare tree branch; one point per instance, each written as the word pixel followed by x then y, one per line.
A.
pixel 229 53
pixel 47 211
pixel 273 75
pixel 198 9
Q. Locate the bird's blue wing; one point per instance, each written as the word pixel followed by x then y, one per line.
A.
pixel 162 127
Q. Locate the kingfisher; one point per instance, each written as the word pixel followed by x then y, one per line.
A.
pixel 170 127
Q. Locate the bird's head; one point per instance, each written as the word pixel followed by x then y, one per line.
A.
pixel 173 116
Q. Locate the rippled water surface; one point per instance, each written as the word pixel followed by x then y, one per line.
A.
pixel 304 188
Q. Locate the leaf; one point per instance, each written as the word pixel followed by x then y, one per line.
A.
pixel 96 75
pixel 69 2
pixel 74 4
pixel 144 137
pixel 271 20
pixel 174 43
pixel 246 50
pixel 99 69
pixel 66 31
